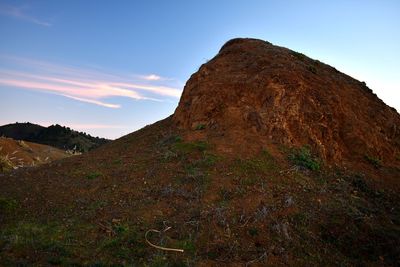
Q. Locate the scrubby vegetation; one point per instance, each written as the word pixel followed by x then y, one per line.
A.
pixel 303 157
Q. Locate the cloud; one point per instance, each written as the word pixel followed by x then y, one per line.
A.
pixel 81 84
pixel 152 77
pixel 21 13
pixel 93 102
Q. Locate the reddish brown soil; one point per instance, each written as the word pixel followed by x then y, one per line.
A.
pixel 253 94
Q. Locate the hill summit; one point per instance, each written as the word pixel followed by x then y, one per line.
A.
pixel 253 94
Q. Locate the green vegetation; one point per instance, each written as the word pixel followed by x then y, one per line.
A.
pixel 225 195
pixel 298 55
pixel 200 126
pixel 24 237
pixel 302 157
pixel 117 161
pixel 93 175
pixel 377 163
pixel 249 170
pixel 7 205
pixel 190 147
pixel 312 69
pixel 126 242
pixel 253 231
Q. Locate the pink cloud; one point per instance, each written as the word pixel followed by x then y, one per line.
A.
pixel 82 84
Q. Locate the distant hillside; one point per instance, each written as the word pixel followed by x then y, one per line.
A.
pixel 54 135
pixel 15 154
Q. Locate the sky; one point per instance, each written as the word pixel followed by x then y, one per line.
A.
pixel 111 67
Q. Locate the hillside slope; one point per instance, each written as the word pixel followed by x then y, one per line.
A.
pixel 248 201
pixel 54 135
pixel 15 154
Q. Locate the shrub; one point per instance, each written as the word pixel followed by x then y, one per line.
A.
pixel 302 157
pixel 377 163
pixel 200 127
pixel 93 175
pixel 312 69
pixel 298 55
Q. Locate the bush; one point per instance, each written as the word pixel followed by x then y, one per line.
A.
pixel 200 127
pixel 302 157
pixel 377 163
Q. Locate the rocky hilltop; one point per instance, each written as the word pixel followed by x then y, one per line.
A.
pixel 256 94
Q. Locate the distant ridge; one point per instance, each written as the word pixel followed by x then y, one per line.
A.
pixel 55 135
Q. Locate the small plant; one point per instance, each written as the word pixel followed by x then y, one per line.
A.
pixel 187 148
pixel 200 126
pixel 253 231
pixel 298 55
pixel 7 205
pixel 302 157
pixel 312 69
pixel 117 161
pixel 225 194
pixel 377 163
pixel 93 175
pixel 5 163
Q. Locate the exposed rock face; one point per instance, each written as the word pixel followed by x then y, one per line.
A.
pixel 253 88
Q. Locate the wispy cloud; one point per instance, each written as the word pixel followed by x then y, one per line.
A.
pixel 152 77
pixel 22 14
pixel 82 84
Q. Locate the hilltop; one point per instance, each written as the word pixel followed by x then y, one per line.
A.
pixel 258 95
pixel 270 159
pixel 55 135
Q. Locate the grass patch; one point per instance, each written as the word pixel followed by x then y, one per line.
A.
pixel 302 157
pixel 190 147
pixel 377 163
pixel 117 161
pixel 250 171
pixel 93 175
pixel 26 237
pixel 5 164
pixel 7 205
pixel 200 126
pixel 127 243
pixel 253 231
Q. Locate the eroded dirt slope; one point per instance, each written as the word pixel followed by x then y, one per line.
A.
pixel 254 93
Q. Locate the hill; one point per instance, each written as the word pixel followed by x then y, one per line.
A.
pixel 54 135
pixel 227 187
pixel 253 90
pixel 15 154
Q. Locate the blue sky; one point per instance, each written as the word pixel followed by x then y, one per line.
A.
pixel 111 67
